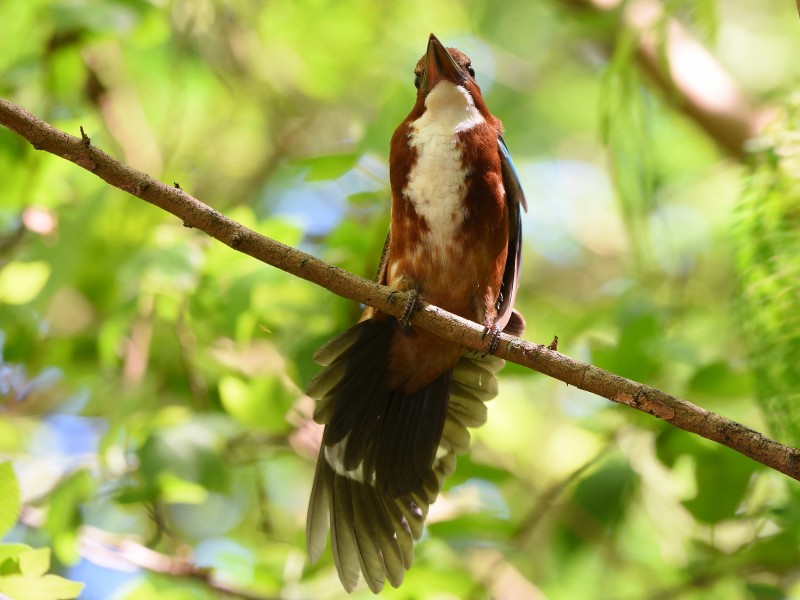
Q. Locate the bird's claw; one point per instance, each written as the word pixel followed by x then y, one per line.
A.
pixel 493 333
pixel 412 305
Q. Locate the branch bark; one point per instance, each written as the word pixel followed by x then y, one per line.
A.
pixel 538 357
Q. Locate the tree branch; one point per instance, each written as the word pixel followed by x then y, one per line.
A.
pixel 194 213
pixel 687 74
pixel 122 553
pixel 118 552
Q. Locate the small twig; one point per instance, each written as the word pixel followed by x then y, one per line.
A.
pixel 119 552
pixel 9 241
pixel 548 498
pixel 194 213
pixel 123 553
pixel 87 141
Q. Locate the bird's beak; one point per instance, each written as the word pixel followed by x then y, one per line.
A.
pixel 439 65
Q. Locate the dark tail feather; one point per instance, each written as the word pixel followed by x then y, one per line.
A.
pixel 319 509
pixel 370 532
pixel 380 555
pixel 410 430
pixel 343 538
pixel 378 469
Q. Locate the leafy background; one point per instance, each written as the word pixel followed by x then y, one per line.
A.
pixel 151 379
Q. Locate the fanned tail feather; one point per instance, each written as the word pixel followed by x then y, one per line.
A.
pixel 378 471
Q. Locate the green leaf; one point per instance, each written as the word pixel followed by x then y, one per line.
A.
pixel 722 476
pixel 21 282
pixel 64 513
pixel 468 469
pixel 765 591
pixel 604 493
pixel 49 587
pixel 260 403
pixel 179 491
pixel 9 557
pixel 471 527
pixel 9 498
pixel 780 552
pixel 134 494
pixel 719 379
pixel 190 451
pixel 35 563
pixel 330 166
pixel 65 502
pixel 12 551
pixel 635 355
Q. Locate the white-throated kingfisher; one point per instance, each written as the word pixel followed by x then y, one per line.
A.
pixel 396 400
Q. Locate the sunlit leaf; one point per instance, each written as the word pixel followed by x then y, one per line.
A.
pixel 35 563
pixel 9 498
pixel 262 404
pixel 9 557
pixel 177 490
pixel 279 115
pixel 48 587
pixel 21 282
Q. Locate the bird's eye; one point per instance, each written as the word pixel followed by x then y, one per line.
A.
pixel 417 81
pixel 471 71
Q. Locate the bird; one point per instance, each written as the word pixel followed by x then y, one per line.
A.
pixel 396 400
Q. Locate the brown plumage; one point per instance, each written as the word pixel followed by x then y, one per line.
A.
pixel 396 402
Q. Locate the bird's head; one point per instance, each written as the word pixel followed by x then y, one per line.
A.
pixel 439 65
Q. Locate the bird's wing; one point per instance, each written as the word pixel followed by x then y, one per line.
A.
pixel 507 318
pixel 368 311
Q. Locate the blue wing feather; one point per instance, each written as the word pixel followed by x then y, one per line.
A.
pixel 511 182
pixel 515 198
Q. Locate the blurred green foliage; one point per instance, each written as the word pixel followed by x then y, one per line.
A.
pixel 151 379
pixel 769 270
pixel 24 570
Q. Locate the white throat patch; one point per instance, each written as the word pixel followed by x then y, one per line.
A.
pixel 436 184
pixel 450 105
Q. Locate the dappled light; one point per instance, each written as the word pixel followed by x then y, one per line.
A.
pixel 156 438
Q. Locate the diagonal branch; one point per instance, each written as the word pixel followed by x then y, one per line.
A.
pixel 194 213
pixel 687 74
pixel 125 554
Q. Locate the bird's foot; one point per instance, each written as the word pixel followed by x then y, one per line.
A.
pixel 413 304
pixel 493 333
